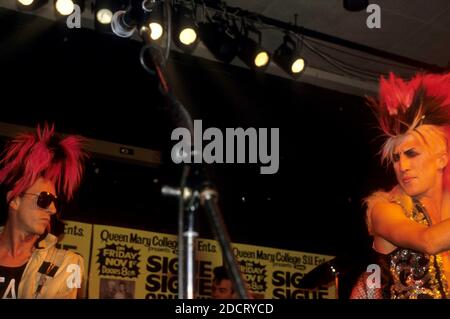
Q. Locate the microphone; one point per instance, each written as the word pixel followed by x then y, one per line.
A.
pixel 124 23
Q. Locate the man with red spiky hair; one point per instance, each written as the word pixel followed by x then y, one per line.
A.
pixel 37 169
pixel 410 224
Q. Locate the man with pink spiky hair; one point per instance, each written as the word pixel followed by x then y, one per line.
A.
pixel 37 170
pixel 410 224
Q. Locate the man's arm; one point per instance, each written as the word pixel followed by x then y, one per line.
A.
pixel 389 222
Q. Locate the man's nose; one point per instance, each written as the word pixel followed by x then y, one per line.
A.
pixel 52 209
pixel 403 163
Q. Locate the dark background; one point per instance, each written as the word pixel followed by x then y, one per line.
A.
pixel 92 84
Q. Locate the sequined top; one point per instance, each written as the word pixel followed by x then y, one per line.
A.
pixel 408 274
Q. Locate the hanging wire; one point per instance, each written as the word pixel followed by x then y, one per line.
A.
pixel 341 65
pixel 362 57
pixel 194 10
pixel 345 64
pixel 349 53
pixel 347 69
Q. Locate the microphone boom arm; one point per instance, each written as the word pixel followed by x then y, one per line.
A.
pixel 207 197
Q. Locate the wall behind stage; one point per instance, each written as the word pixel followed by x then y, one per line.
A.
pixel 123 263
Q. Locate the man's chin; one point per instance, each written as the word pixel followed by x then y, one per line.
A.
pixel 39 231
pixel 410 191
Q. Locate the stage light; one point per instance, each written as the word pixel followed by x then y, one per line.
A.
pixel 151 17
pixel 156 30
pixel 220 39
pixel 261 59
pixel 104 16
pixel 154 19
pixel 356 5
pixel 188 36
pixel 30 5
pixel 298 65
pixel 251 52
pixel 184 29
pixel 288 57
pixel 26 2
pixel 104 11
pixel 64 7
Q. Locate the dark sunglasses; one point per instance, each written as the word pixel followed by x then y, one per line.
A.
pixel 45 199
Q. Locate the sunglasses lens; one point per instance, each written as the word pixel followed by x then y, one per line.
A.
pixel 45 199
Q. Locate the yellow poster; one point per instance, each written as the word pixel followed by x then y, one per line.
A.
pixel 77 237
pixel 129 263
pixel 208 256
pixel 276 273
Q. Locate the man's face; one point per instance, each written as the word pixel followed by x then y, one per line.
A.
pixel 416 168
pixel 29 217
pixel 222 289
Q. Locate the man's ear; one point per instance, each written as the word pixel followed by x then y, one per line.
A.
pixel 443 160
pixel 15 202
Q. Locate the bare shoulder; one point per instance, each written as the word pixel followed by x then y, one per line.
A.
pixel 385 214
pixel 386 209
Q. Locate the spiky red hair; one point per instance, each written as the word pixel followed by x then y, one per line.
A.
pixel 404 105
pixel 30 156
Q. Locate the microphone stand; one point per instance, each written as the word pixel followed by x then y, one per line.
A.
pixel 189 200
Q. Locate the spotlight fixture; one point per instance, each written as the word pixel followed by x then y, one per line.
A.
pixel 139 15
pixel 66 7
pixel 154 19
pixel 251 52
pixel 185 32
pixel 30 5
pixel 104 16
pixel 288 57
pixel 25 2
pixel 220 38
pixel 355 5
pixel 156 30
pixel 103 12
